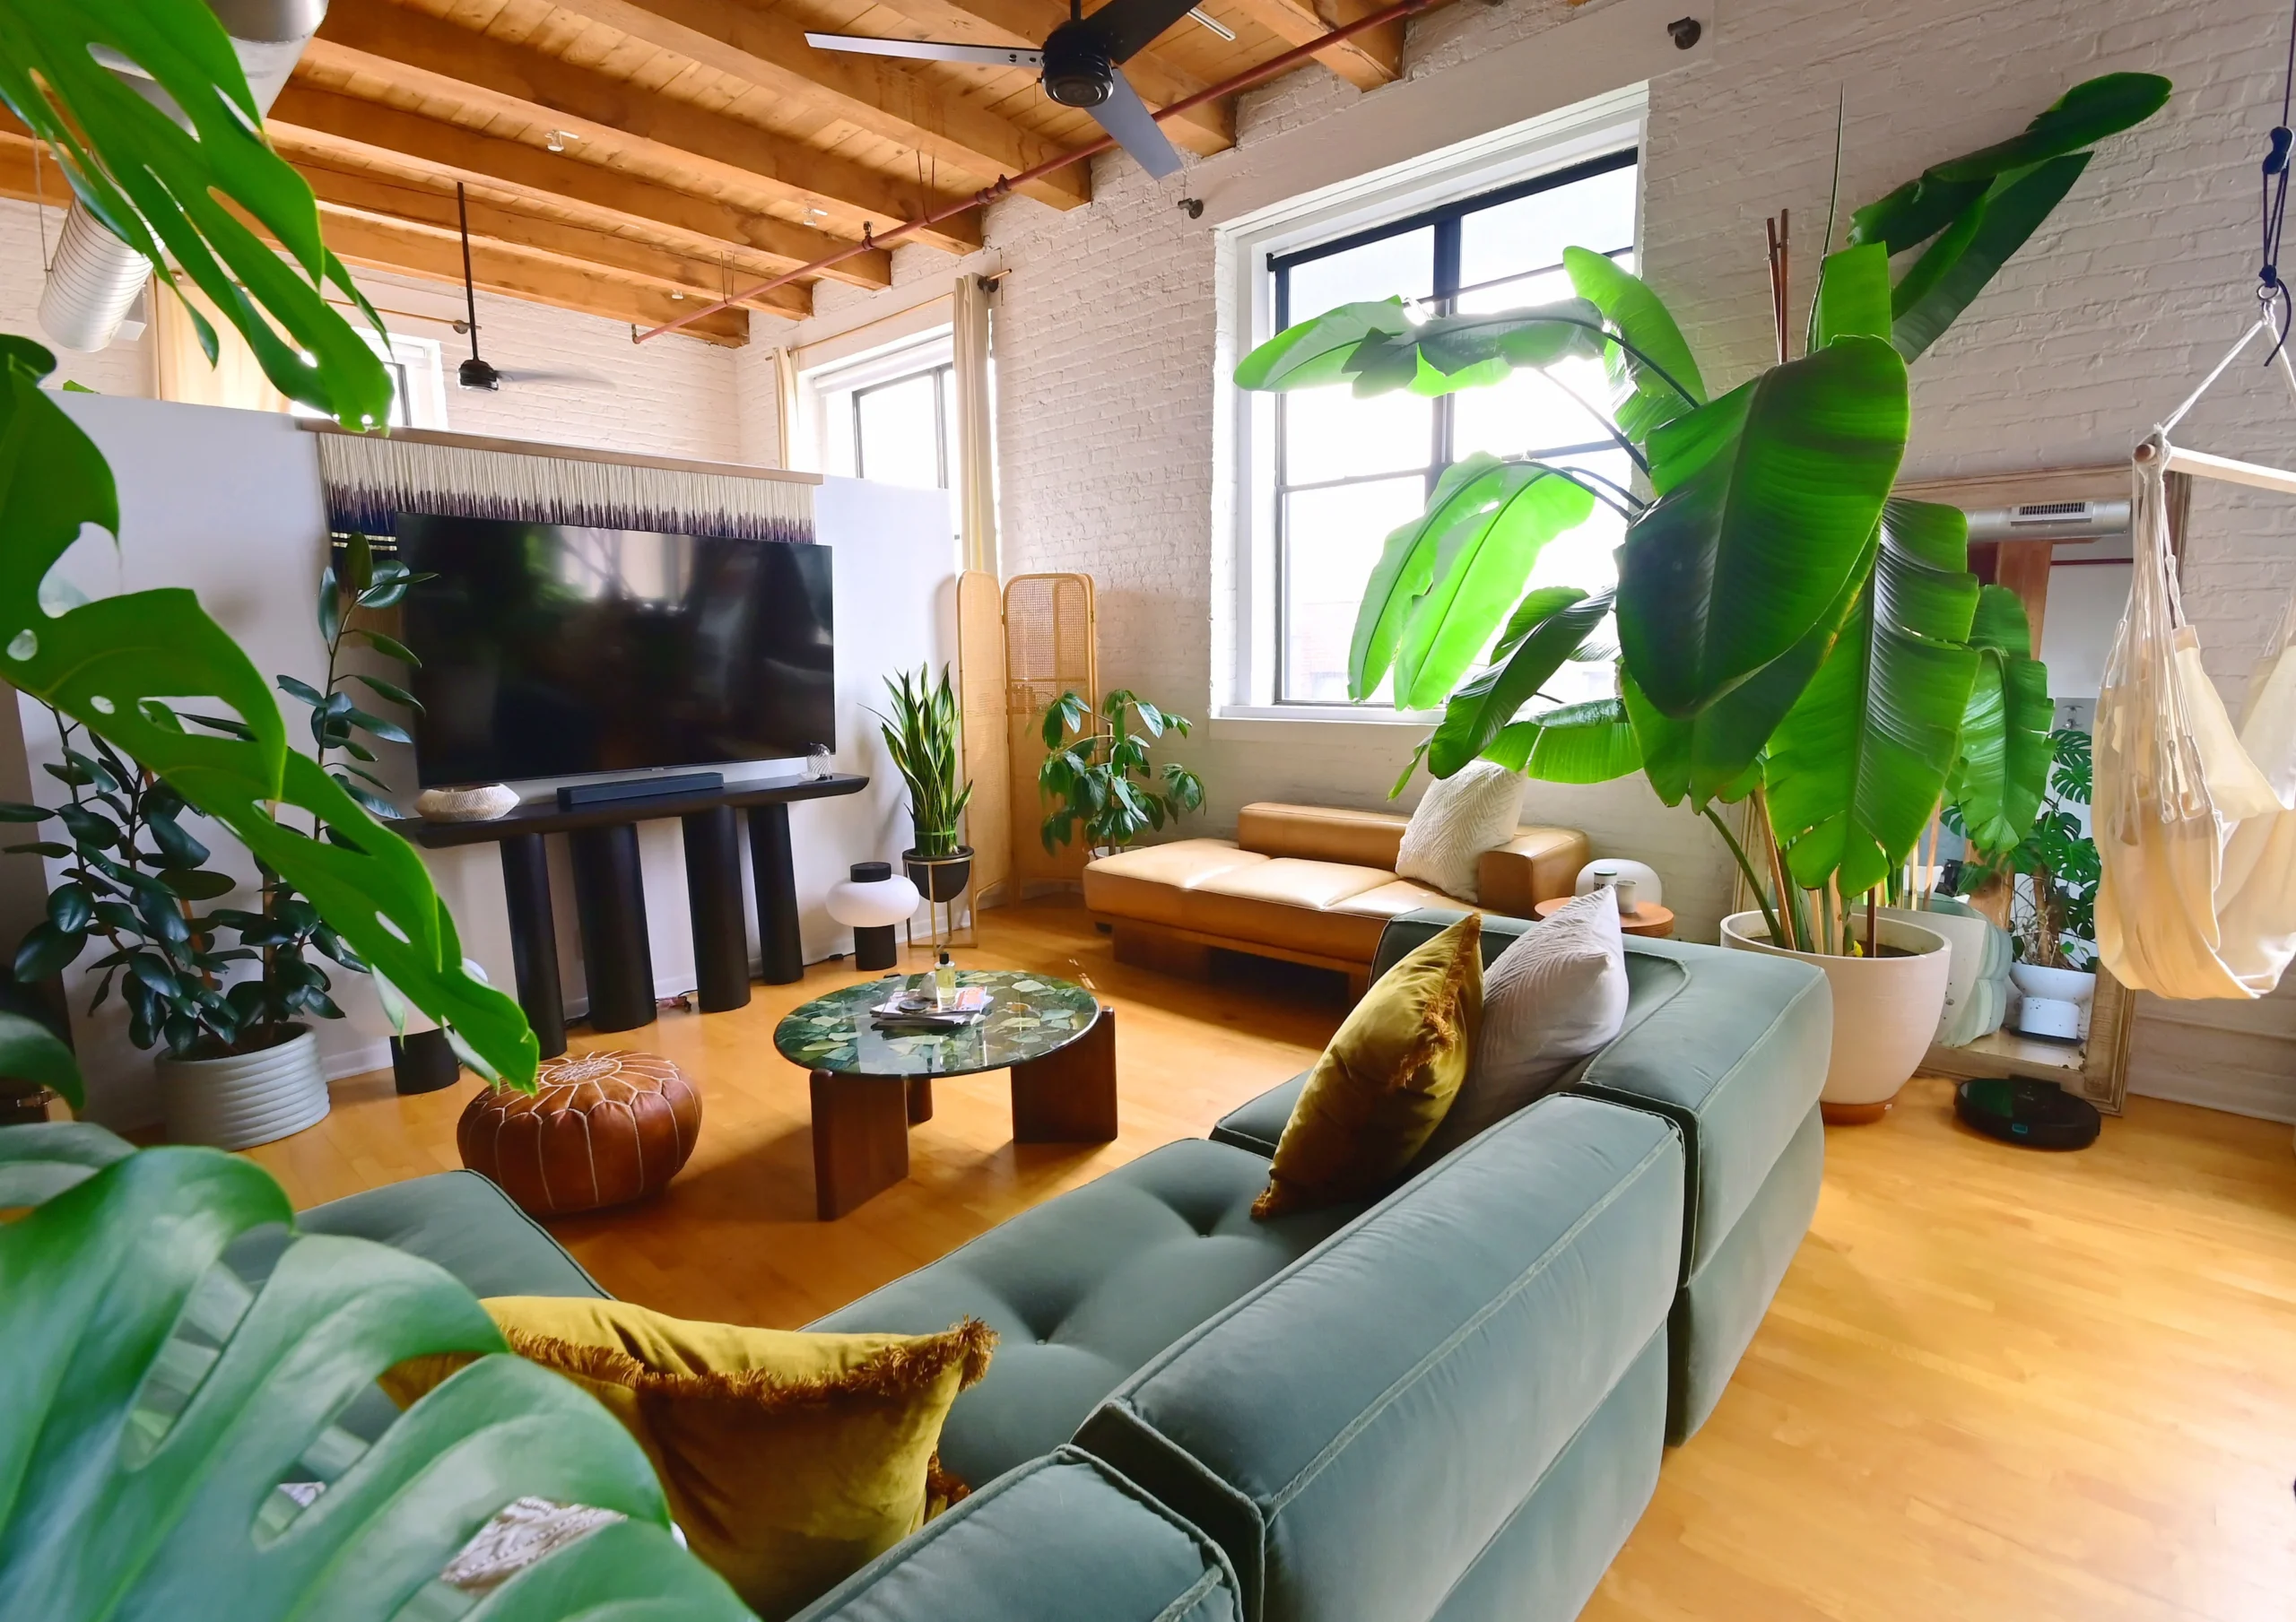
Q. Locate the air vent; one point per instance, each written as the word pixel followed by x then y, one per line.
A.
pixel 2050 521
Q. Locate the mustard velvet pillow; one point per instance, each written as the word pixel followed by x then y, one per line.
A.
pixel 1383 1086
pixel 789 1460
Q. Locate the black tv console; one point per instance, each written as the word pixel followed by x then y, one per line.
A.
pixel 610 895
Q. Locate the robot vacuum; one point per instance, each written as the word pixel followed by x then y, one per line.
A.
pixel 2033 1114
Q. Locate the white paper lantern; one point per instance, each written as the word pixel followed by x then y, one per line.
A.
pixel 872 902
pixel 1609 870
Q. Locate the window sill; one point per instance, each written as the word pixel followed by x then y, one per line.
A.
pixel 1272 723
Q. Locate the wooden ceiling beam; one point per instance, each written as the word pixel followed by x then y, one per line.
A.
pixel 768 49
pixel 374 197
pixel 501 268
pixel 1367 60
pixel 415 52
pixel 1024 23
pixel 311 124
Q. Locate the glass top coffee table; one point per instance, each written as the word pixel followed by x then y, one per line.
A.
pixel 870 1086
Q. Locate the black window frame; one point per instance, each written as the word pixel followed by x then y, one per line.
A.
pixel 1444 297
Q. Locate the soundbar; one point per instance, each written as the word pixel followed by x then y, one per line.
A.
pixel 573 796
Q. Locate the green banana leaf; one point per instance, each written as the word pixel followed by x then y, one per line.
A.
pixel 2005 749
pixel 1312 354
pixel 1659 367
pixel 117 665
pixel 1546 630
pixel 1707 755
pixel 1859 762
pixel 1767 499
pixel 1955 268
pixel 157 184
pixel 1853 295
pixel 1451 353
pixel 30 1051
pixel 156 1403
pixel 2083 116
pixel 1481 563
pixel 1590 743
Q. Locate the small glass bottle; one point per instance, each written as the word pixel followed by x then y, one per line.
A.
pixel 945 982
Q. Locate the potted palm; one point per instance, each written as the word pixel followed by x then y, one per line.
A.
pixel 1790 634
pixel 921 736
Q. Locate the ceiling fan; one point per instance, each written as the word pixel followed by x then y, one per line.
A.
pixel 477 373
pixel 1080 61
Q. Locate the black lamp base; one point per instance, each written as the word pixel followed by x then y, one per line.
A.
pixel 424 1063
pixel 876 948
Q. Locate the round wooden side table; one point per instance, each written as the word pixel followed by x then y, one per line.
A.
pixel 1648 918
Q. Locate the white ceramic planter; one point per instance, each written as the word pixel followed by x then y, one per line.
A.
pixel 1885 1010
pixel 246 1099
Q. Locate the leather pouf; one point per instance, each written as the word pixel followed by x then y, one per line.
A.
pixel 599 1129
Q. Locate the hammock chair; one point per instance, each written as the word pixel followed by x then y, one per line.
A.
pixel 2194 819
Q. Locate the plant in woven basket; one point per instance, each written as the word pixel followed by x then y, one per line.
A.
pixel 921 736
pixel 1099 774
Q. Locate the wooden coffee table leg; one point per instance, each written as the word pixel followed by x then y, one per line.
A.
pixel 1069 1097
pixel 860 1139
pixel 921 1100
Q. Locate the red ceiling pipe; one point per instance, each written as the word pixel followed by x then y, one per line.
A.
pixel 1006 183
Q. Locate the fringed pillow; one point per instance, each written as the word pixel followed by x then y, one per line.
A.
pixel 789 1460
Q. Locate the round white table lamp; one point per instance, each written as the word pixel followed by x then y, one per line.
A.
pixel 1604 871
pixel 872 900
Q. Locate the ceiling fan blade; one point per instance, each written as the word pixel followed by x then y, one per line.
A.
pixel 1125 27
pixel 927 50
pixel 1128 118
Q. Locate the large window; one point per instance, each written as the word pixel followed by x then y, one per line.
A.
pixel 1346 472
pixel 891 417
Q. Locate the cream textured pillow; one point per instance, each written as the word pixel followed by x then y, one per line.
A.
pixel 1551 999
pixel 1458 818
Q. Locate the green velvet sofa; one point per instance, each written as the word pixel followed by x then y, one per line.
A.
pixel 1442 1406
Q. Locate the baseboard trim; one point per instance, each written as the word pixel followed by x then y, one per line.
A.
pixel 2261 1099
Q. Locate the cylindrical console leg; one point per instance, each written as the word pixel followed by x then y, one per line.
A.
pixel 782 953
pixel 713 889
pixel 534 939
pixel 617 959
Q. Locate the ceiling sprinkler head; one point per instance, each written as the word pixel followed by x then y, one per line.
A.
pixel 558 138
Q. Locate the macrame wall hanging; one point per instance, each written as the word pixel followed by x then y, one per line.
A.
pixel 370 479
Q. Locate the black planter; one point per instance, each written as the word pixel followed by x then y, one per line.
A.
pixel 940 878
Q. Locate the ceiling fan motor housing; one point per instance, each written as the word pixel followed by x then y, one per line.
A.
pixel 1078 69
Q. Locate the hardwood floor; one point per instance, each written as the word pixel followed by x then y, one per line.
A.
pixel 1996 1383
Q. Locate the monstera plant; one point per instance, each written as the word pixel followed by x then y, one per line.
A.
pixel 206 199
pixel 1787 629
pixel 173 1436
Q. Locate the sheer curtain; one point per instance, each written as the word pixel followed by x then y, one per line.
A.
pixel 975 445
pixel 182 371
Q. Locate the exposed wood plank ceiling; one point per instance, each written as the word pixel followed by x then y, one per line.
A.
pixel 702 145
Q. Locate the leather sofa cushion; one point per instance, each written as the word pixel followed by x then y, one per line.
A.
pixel 1291 902
pixel 1355 1432
pixel 1537 864
pixel 1322 833
pixel 1084 1289
pixel 1059 1538
pixel 1149 883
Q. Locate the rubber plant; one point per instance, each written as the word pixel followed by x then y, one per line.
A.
pixel 1788 629
pixel 169 1434
pixel 209 200
pixel 1097 772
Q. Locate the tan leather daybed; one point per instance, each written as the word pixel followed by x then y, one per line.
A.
pixel 1302 882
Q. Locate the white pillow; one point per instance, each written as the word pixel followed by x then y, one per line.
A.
pixel 1551 998
pixel 1458 818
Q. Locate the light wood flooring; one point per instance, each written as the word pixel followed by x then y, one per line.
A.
pixel 1995 1384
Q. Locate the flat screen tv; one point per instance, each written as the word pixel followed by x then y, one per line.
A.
pixel 550 651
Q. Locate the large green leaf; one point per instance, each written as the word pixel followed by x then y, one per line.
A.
pixel 1554 622
pixel 155 183
pixel 1452 352
pixel 106 663
pixel 1656 359
pixel 30 1051
pixel 1590 743
pixel 1853 296
pixel 2084 114
pixel 156 1403
pixel 1313 352
pixel 2006 750
pixel 1707 756
pixel 1859 764
pixel 1481 560
pixel 1955 268
pixel 1767 499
